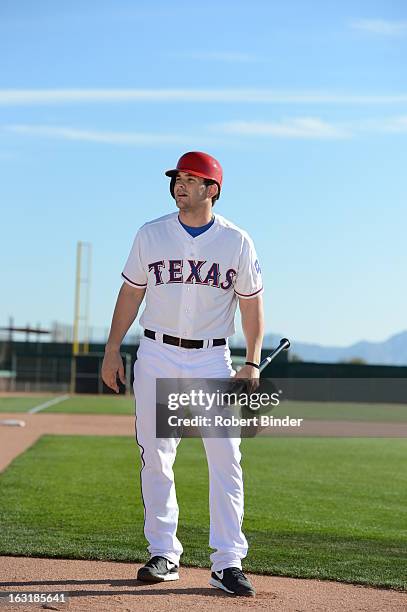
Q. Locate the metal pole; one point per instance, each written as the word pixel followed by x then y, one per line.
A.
pixel 10 331
pixel 75 346
pixel 14 371
pixel 88 281
pixel 75 342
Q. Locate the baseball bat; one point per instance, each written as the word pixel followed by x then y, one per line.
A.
pixel 283 346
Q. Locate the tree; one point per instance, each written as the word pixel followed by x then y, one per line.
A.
pixel 355 361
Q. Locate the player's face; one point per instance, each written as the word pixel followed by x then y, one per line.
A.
pixel 189 191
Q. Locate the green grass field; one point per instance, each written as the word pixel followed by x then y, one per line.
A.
pixel 343 411
pixel 94 404
pixel 324 508
pixel 113 404
pixel 22 403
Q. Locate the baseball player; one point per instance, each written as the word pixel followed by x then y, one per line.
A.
pixel 192 267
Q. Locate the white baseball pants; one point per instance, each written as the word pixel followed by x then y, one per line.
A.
pixel 157 360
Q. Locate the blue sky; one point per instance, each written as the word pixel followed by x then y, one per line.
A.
pixel 304 104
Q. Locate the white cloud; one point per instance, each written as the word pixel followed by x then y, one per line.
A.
pixel 15 97
pixel 396 125
pixel 116 138
pixel 389 125
pixel 298 127
pixel 380 26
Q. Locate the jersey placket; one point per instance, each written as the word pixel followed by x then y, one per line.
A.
pixel 188 296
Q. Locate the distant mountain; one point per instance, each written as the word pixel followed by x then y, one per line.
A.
pixel 392 351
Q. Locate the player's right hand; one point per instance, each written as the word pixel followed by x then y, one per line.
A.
pixel 112 367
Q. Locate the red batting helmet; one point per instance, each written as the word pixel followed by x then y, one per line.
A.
pixel 198 164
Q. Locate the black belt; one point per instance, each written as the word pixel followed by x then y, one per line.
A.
pixel 184 342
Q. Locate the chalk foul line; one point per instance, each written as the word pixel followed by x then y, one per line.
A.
pixel 56 400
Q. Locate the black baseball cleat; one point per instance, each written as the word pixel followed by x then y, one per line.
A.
pixel 232 580
pixel 158 569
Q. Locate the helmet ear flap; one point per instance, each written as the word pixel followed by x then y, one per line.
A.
pixel 172 185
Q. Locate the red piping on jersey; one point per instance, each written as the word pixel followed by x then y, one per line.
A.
pixel 132 282
pixel 248 294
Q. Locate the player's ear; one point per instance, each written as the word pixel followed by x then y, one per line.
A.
pixel 213 190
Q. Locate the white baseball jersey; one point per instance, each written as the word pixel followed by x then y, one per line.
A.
pixel 192 283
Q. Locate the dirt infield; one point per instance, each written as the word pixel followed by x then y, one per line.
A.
pixel 107 587
pixel 104 586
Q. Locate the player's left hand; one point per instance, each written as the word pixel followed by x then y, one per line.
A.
pixel 251 376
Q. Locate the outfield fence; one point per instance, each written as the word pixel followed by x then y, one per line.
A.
pixel 34 373
pixel 60 374
pixel 51 367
